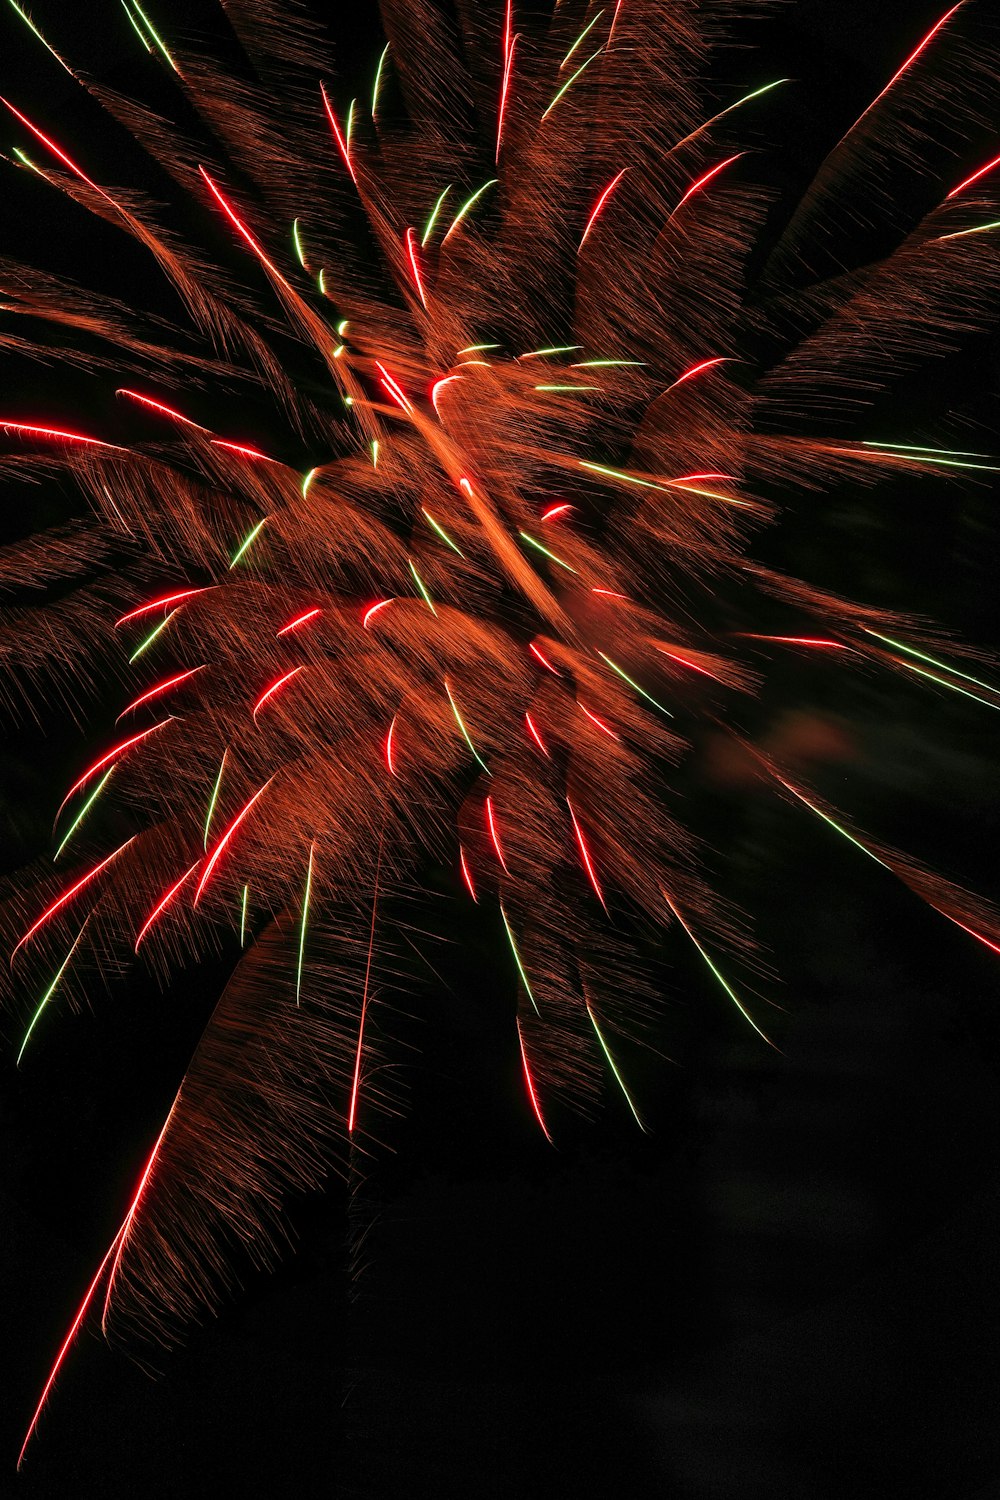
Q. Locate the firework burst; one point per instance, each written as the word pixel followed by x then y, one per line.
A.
pixel 492 576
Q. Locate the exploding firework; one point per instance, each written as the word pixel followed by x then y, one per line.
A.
pixel 492 574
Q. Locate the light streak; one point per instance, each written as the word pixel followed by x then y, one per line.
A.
pixel 726 986
pixel 429 226
pixel 300 253
pixel 58 435
pixel 556 510
pixel 583 34
pixel 144 646
pixel 466 876
pixel 585 856
pixel 161 687
pixel 49 993
pixel 67 896
pixel 533 542
pixel 342 145
pixel 922 656
pixel 469 203
pixel 906 65
pixel 393 388
pixel 633 684
pixel 371 613
pixel 532 730
pixel 275 687
pixel 536 1107
pixel 155 36
pixel 302 931
pixel 66 1344
pixel 539 656
pixel 226 838
pixel 243 449
pixel 214 799
pixel 38 35
pixel 411 250
pixel 821 642
pixel 378 80
pixel 974 178
pixel 113 755
pixel 310 614
pixel 438 386
pixel 494 834
pixel 599 205
pixel 161 407
pixel 145 609
pixel 508 69
pixel 605 728
pixel 248 541
pixel 705 364
pixel 517 959
pixel 960 234
pixel 389 746
pixel 423 591
pixel 614 1068
pixel 85 809
pixel 440 531
pixel 242 230
pixel 706 177
pixel 461 724
pixel 570 82
pixel 243 915
pixel 162 905
pixel 349 130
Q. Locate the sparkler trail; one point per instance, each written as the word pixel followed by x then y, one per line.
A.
pixel 545 417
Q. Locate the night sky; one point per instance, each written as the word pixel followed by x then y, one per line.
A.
pixel 788 1288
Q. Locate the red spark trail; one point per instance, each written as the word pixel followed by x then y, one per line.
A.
pixel 99 765
pixel 466 875
pixel 531 1087
pixel 299 620
pixel 599 205
pixel 160 688
pixel 341 143
pixel 706 177
pixel 411 250
pixel 585 856
pixel 145 609
pixel 226 837
pixel 242 229
pixel 67 896
pixel 494 835
pixel 275 687
pixel 164 903
pixel 159 406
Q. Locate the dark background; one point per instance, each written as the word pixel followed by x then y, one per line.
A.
pixel 788 1288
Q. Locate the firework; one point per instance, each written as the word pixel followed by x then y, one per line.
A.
pixel 490 572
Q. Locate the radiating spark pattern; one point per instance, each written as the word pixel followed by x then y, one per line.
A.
pixel 424 379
